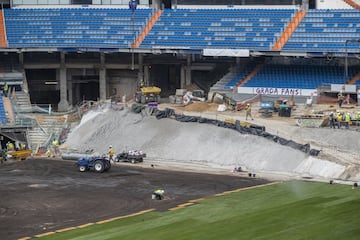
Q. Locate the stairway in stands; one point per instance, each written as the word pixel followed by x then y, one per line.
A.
pixel 47 128
pixel 22 101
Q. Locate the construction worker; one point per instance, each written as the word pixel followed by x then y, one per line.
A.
pixel 48 153
pixel 340 99
pixel 357 118
pixel 347 120
pixel 332 120
pixel 159 194
pixel 142 84
pixel 111 153
pixel 10 146
pixel 248 111
pixel 22 146
pixel 339 118
pixel 55 147
pixel 6 89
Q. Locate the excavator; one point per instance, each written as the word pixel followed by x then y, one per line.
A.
pixel 230 103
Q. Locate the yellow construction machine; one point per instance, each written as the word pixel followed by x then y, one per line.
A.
pixel 148 94
pixel 19 154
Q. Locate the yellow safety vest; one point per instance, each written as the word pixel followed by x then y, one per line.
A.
pixel 347 118
pixel 159 191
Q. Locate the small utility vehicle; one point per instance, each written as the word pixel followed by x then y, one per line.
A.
pixel 132 156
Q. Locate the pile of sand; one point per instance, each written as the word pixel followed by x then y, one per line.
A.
pixel 200 107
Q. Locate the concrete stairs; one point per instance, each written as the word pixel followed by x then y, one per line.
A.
pixel 221 84
pixel 48 127
pixel 22 102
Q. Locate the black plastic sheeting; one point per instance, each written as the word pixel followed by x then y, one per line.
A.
pixel 253 129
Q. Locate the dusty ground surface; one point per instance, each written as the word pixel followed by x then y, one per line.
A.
pixel 43 195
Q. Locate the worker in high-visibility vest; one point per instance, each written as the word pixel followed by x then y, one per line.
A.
pixel 159 194
pixel 6 89
pixel 10 146
pixel 339 118
pixel 111 153
pixel 347 120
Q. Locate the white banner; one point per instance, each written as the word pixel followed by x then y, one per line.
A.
pixel 226 52
pixel 345 88
pixel 278 91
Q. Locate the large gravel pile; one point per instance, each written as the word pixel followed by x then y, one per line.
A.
pixel 167 141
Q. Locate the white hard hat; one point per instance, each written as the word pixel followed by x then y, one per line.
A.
pixel 110 146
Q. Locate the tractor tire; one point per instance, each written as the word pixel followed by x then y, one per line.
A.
pixel 99 166
pixel 82 168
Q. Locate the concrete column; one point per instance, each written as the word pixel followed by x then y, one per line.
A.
pixel 77 92
pixel 146 74
pixel 102 83
pixel 188 71
pixel 21 58
pixel 70 92
pixel 63 105
pixel 141 68
pixel 102 77
pixel 182 77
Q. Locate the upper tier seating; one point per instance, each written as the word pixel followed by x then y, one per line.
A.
pixel 73 27
pixel 255 29
pixel 327 31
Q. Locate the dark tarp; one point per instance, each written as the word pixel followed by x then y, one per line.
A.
pixel 253 129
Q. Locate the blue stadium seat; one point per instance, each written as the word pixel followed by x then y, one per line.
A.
pixel 255 29
pixel 73 27
pixel 327 31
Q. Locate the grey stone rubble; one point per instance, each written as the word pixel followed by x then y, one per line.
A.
pixel 205 147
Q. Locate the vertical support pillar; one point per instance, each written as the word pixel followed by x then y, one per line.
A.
pixel 188 71
pixel 146 75
pixel 21 58
pixel 182 77
pixel 63 105
pixel 140 68
pixel 70 92
pixel 102 77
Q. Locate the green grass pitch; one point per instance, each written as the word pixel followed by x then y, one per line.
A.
pixel 288 210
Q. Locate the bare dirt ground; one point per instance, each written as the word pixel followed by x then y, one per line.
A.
pixel 43 195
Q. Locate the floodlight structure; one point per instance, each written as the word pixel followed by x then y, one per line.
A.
pixel 346 70
pixel 132 7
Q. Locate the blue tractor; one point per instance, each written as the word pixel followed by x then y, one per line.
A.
pixel 98 164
